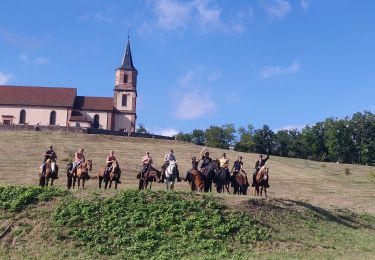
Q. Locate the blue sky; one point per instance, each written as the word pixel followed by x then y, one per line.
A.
pixel 285 63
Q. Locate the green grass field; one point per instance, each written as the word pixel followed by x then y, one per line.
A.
pixel 314 209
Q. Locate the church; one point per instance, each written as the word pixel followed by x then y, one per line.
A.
pixel 25 105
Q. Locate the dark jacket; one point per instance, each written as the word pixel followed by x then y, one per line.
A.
pixel 261 163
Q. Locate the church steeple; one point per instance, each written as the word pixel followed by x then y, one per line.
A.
pixel 127 61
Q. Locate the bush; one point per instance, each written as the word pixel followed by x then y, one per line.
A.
pixel 149 224
pixel 15 198
pixel 347 171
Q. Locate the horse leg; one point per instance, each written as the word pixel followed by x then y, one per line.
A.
pixel 74 182
pixel 105 184
pixel 116 184
pixel 110 184
pixel 83 183
pixel 151 184
pixel 100 182
pixel 69 183
pixel 265 192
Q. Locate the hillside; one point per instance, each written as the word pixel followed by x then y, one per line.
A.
pixel 324 184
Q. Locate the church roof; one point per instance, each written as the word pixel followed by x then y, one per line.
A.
pixel 37 96
pixel 93 103
pixel 77 116
pixel 127 61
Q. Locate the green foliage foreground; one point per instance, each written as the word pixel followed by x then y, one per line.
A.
pixel 157 225
pixel 15 198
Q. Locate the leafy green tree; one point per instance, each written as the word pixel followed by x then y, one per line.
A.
pixel 198 137
pixel 246 139
pixel 142 129
pixel 184 137
pixel 220 137
pixel 264 140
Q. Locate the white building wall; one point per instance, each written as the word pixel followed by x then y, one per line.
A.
pixel 103 117
pixel 122 122
pixel 129 104
pixel 35 115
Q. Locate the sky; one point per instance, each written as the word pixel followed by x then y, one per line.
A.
pixel 284 63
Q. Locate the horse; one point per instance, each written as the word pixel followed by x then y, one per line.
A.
pixel 170 175
pixel 195 180
pixel 262 178
pixel 149 176
pixel 50 173
pixel 208 174
pixel 239 183
pixel 81 173
pixel 113 175
pixel 222 180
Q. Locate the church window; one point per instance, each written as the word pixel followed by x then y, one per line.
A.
pixel 96 121
pixel 124 100
pixel 52 118
pixel 125 78
pixel 22 116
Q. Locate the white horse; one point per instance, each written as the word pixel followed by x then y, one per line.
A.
pixel 170 175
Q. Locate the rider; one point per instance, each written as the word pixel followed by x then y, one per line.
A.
pixel 49 154
pixel 205 160
pixel 224 164
pixel 167 159
pixel 146 162
pixel 238 167
pixel 110 160
pixel 194 165
pixel 79 158
pixel 259 164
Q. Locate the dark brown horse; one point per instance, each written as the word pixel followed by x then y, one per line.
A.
pixel 262 178
pixel 113 175
pixel 50 173
pixel 149 176
pixel 240 183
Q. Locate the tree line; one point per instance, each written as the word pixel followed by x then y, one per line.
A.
pixel 347 140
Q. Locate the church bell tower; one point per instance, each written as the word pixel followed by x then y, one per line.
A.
pixel 125 94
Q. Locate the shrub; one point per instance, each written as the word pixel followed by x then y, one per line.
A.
pixel 149 224
pixel 347 171
pixel 15 198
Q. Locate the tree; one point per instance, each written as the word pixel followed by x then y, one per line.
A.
pixel 220 137
pixel 184 137
pixel 263 139
pixel 198 137
pixel 142 129
pixel 246 139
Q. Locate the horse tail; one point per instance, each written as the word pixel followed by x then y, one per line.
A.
pixel 94 178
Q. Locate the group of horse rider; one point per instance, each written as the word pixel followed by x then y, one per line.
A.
pixel 170 157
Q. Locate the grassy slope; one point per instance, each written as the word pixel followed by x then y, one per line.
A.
pixel 323 184
pixel 297 229
pixel 314 210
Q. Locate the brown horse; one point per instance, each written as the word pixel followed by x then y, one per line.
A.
pixel 49 174
pixel 113 175
pixel 195 179
pixel 81 173
pixel 240 183
pixel 149 176
pixel 261 181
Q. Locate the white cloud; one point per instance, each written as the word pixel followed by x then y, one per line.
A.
pixel 168 132
pixel 193 105
pixel 41 61
pixel 22 57
pixel 5 78
pixel 291 127
pixel 305 4
pixel 174 15
pixel 278 9
pixel 268 71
